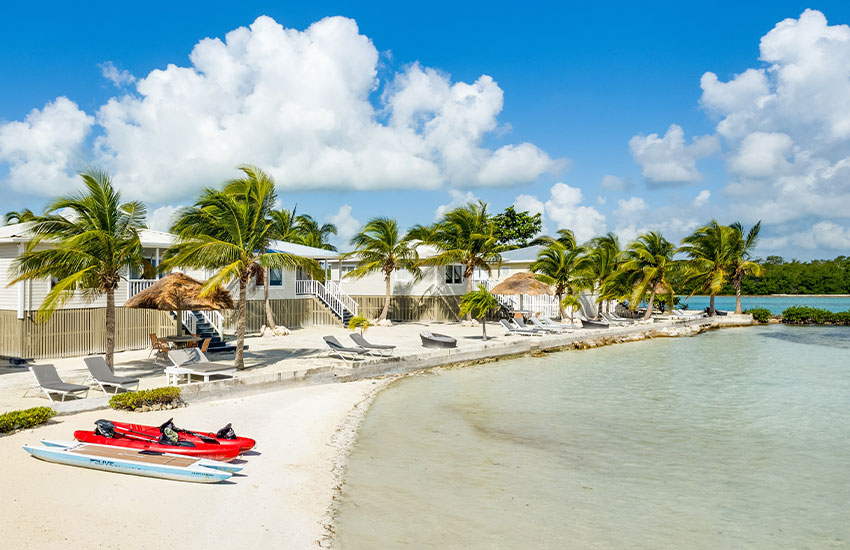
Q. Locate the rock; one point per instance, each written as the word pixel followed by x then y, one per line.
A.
pixel 268 332
pixel 470 323
pixel 384 323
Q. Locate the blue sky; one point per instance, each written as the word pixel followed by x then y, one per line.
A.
pixel 400 110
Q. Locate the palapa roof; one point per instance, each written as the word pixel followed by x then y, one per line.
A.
pixel 522 283
pixel 178 292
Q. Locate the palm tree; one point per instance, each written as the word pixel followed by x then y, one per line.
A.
pixel 565 236
pixel 229 231
pixel 89 250
pixel 479 303
pixel 313 234
pixel 283 229
pixel 380 248
pixel 563 268
pixel 464 236
pixel 603 262
pixel 707 268
pixel 648 263
pixel 14 217
pixel 740 263
pixel 570 301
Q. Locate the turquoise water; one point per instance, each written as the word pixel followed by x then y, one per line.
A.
pixel 732 439
pixel 776 304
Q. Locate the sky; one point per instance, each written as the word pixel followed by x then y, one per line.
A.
pixel 617 117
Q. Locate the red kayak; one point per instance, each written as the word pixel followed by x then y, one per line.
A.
pixel 183 447
pixel 168 438
pixel 224 436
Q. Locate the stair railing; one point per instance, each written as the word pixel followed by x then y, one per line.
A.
pixel 328 296
pixel 188 320
pixel 216 321
pixel 347 300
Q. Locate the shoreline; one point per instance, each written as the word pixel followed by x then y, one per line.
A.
pixel 306 427
pixel 775 296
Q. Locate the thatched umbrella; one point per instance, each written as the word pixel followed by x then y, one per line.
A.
pixel 179 292
pixel 524 284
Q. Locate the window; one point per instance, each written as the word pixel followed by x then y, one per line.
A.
pixel 346 269
pixel 454 274
pixel 275 276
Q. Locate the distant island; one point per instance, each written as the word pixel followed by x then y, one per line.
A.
pixel 827 277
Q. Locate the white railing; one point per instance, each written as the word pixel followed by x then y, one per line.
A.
pixel 347 300
pixel 544 304
pixel 216 321
pixel 189 321
pixel 134 286
pixel 331 295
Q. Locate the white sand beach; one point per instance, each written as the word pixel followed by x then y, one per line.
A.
pixel 282 500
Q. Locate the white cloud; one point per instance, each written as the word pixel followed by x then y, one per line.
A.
pixel 787 124
pixel 614 183
pixel 118 78
pixel 822 235
pixel 528 203
pixel 44 151
pixel 565 210
pixel 702 198
pixel 762 155
pixel 669 159
pixel 666 221
pixel 346 226
pixel 628 208
pixel 302 106
pixel 162 217
pixel 458 198
pixel 600 200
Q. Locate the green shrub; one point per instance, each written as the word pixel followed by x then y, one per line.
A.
pixel 27 418
pixel 760 314
pixel 803 315
pixel 359 322
pixel 131 401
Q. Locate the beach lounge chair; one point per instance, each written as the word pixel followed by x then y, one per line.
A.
pixel 190 362
pixel 551 328
pixel 616 322
pixel 47 379
pixel 512 329
pixel 345 353
pixel 100 373
pixel 520 324
pixel 376 348
pixel 550 323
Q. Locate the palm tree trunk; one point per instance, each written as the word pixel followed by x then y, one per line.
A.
pixel 711 305
pixel 648 313
pixel 484 327
pixel 738 309
pixel 561 308
pixel 386 309
pixel 468 274
pixel 110 329
pixel 241 321
pixel 269 315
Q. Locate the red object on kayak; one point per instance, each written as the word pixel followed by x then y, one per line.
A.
pixel 197 449
pixel 244 443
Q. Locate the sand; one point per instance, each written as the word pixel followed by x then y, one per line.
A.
pixel 284 499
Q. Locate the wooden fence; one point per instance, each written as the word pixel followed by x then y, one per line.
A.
pixel 72 332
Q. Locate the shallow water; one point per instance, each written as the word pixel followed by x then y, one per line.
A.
pixel 733 439
pixel 776 304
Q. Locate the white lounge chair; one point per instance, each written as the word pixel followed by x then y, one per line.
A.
pixel 192 362
pixel 516 330
pixel 47 379
pixel 551 328
pixel 100 373
pixel 378 349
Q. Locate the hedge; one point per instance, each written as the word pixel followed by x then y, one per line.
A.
pixel 760 314
pixel 27 418
pixel 803 315
pixel 133 400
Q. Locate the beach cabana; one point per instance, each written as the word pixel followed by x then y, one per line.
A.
pixel 522 284
pixel 178 292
